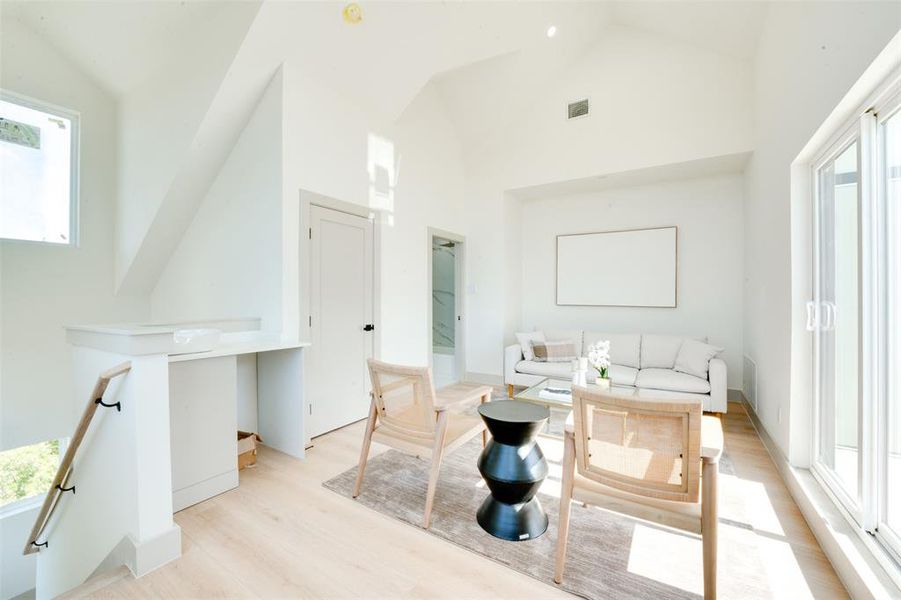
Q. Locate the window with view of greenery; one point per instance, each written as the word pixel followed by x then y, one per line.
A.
pixel 27 471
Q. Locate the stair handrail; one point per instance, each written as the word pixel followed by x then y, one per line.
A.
pixel 60 482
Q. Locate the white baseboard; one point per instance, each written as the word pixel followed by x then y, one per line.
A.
pixel 198 492
pixel 853 557
pixel 151 554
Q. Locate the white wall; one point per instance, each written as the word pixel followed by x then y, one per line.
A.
pixel 45 287
pixel 708 214
pixel 243 253
pixel 654 103
pixel 809 55
pixel 429 193
pixel 229 263
pixel 16 571
pixel 159 120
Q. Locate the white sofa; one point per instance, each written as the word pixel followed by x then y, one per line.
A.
pixel 638 360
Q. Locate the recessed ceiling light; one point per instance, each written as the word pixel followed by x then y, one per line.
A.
pixel 552 31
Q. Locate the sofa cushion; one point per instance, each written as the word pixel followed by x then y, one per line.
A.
pixel 565 335
pixel 694 358
pixel 545 369
pixel 621 375
pixel 659 351
pixel 525 340
pixel 624 347
pixel 667 379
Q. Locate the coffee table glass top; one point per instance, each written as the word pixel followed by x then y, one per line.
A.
pixel 533 394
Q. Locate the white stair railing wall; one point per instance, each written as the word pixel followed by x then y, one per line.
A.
pixel 121 510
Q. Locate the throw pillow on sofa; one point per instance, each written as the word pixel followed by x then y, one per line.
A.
pixel 560 351
pixel 694 358
pixel 525 341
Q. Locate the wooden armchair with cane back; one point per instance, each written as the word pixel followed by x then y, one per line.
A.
pixel 407 413
pixel 651 458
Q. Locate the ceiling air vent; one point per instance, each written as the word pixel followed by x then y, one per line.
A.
pixel 576 109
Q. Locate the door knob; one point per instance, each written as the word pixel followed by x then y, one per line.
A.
pixel 368 327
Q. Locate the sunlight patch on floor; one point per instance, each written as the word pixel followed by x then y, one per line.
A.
pixel 676 566
pixel 761 512
pixel 782 565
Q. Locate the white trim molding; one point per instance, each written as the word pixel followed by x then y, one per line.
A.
pixel 860 562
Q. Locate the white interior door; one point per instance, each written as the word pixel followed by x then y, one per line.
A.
pixel 340 319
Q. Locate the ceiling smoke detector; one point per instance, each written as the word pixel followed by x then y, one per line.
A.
pixel 577 109
pixel 352 13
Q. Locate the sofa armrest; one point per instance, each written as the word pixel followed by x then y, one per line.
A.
pixel 717 377
pixel 512 356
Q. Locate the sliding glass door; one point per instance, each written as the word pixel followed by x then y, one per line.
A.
pixel 856 319
pixel 838 334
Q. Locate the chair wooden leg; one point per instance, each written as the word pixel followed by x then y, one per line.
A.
pixel 566 494
pixel 437 451
pixel 709 522
pixel 364 451
pixel 510 390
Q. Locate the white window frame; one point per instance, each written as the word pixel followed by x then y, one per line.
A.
pixel 867 128
pixel 848 136
pixel 882 112
pixel 74 118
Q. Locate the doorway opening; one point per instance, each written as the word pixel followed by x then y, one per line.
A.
pixel 446 308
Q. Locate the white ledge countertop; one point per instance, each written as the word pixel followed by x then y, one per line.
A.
pixel 239 336
pixel 247 342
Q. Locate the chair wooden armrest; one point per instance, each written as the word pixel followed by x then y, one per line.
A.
pixel 711 439
pixel 461 394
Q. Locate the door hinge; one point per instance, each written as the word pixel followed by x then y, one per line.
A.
pixel 311 409
pixel 311 233
pixel 311 320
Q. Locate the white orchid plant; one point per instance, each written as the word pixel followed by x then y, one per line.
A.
pixel 599 357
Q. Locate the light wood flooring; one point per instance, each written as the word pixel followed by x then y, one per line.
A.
pixel 282 535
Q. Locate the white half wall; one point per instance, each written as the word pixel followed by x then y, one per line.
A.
pixel 229 262
pixel 708 215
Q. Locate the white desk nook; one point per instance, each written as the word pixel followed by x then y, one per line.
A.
pixel 173 440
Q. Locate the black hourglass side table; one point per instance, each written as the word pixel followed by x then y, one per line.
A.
pixel 513 466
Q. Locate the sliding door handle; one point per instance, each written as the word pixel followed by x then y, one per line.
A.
pixel 368 327
pixel 813 315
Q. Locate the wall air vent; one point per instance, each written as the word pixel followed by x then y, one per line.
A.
pixel 577 109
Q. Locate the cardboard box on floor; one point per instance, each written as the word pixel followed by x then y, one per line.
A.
pixel 247 449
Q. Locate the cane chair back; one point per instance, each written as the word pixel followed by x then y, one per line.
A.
pixel 404 399
pixel 646 447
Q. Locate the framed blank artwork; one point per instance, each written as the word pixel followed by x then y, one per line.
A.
pixel 634 267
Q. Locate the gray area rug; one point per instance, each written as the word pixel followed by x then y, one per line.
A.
pixel 609 555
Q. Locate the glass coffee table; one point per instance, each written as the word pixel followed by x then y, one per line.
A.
pixel 534 394
pixel 561 404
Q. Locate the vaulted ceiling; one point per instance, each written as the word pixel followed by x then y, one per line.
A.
pixel 384 60
pixel 486 58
